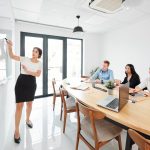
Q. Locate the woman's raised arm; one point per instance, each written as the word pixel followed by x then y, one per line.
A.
pixel 11 54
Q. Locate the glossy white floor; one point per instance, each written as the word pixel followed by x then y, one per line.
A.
pixel 47 132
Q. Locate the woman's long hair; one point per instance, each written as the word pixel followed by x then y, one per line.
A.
pixel 133 72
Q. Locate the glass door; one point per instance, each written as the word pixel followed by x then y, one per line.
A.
pixel 30 43
pixel 55 61
pixel 74 58
pixel 62 57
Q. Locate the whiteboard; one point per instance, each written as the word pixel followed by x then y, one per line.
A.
pixel 2 49
pixel 5 61
pixel 3 69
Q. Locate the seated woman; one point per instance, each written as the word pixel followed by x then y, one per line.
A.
pixel 132 78
pixel 103 74
pixel 143 85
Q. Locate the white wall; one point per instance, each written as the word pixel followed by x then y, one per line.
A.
pixel 6 23
pixel 93 52
pixel 92 42
pixel 7 108
pixel 130 44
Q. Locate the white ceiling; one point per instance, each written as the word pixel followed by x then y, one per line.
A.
pixel 5 9
pixel 62 13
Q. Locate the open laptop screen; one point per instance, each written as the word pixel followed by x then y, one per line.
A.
pixel 123 96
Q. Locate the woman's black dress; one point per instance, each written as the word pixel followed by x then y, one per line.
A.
pixel 25 88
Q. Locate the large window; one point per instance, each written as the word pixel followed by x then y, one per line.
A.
pixel 62 57
pixel 74 59
pixel 31 42
pixel 55 63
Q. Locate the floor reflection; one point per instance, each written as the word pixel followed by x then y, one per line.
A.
pixel 47 130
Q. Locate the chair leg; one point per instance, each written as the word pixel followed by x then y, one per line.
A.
pixel 77 140
pixel 54 99
pixel 61 111
pixel 65 118
pixel 97 147
pixel 118 138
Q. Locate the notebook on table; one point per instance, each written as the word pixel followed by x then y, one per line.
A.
pixel 80 87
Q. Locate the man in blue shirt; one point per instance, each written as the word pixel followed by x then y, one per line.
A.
pixel 102 75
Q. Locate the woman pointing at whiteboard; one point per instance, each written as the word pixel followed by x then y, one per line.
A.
pixel 25 86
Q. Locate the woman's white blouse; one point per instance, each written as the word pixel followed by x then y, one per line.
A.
pixel 30 65
pixel 145 83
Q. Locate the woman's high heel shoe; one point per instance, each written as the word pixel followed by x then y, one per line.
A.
pixel 29 124
pixel 17 140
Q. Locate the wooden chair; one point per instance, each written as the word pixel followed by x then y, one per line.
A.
pixel 67 107
pixel 83 76
pixel 142 143
pixel 55 93
pixel 94 126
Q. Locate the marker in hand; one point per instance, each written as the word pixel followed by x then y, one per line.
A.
pixel 9 42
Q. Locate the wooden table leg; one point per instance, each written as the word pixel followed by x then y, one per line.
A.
pixel 129 143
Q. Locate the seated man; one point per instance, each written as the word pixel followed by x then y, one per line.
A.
pixel 144 84
pixel 102 75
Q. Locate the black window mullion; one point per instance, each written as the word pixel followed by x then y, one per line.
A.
pixel 64 58
pixel 81 57
pixel 45 65
pixel 22 44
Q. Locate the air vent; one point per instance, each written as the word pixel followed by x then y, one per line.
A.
pixel 106 6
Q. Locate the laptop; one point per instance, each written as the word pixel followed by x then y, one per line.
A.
pixel 113 103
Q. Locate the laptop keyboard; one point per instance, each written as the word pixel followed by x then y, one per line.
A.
pixel 113 104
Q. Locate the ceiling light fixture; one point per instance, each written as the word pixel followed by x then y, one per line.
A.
pixel 78 28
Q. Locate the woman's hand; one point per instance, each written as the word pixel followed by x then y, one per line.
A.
pixel 36 74
pixel 11 54
pixel 9 42
pixel 97 81
pixel 118 82
pixel 131 90
pixel 146 94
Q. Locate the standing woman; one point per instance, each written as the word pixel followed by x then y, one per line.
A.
pixel 25 86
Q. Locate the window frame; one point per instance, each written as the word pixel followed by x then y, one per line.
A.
pixel 45 54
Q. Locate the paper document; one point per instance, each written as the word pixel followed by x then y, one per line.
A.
pixel 80 87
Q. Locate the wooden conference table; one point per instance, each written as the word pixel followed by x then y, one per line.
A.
pixel 133 115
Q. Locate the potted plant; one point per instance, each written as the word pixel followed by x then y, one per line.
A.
pixel 93 71
pixel 110 85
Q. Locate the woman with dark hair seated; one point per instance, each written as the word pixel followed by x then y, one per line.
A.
pixel 132 78
pixel 144 85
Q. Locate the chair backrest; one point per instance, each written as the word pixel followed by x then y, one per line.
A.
pixel 83 76
pixel 147 146
pixel 53 84
pixel 92 114
pixel 62 95
pixel 142 143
